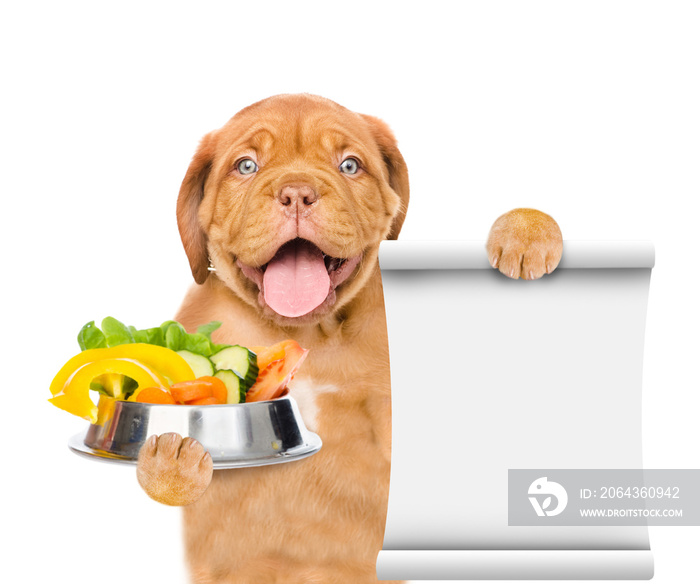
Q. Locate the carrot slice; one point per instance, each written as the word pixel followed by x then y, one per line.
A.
pixel 186 391
pixel 204 401
pixel 218 388
pixel 154 395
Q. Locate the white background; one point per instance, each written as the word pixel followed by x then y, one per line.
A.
pixel 587 110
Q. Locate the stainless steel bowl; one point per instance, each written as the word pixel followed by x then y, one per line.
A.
pixel 251 434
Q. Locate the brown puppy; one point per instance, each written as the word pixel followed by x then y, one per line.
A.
pixel 290 201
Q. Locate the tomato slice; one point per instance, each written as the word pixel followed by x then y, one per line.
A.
pixel 267 355
pixel 273 379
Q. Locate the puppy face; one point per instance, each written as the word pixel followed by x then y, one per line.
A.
pixel 290 200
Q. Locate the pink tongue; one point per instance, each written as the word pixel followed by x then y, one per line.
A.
pixel 296 280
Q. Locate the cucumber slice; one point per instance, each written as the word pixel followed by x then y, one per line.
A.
pixel 240 360
pixel 234 385
pixel 199 363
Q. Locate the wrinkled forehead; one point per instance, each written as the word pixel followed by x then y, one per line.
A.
pixel 297 126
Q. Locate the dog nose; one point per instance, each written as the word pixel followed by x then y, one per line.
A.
pixel 296 195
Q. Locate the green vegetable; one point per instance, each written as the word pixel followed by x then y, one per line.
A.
pixel 196 348
pixel 240 360
pixel 208 329
pixel 151 336
pixel 197 343
pixel 116 333
pixel 234 385
pixel 201 366
pixel 91 337
pixel 174 336
pixel 170 334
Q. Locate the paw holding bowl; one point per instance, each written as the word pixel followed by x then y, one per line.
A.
pixel 174 470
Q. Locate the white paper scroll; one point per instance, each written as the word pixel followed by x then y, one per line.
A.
pixel 490 374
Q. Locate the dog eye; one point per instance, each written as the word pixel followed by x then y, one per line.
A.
pixel 247 166
pixel 349 166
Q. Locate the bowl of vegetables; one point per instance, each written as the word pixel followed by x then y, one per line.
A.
pixel 232 399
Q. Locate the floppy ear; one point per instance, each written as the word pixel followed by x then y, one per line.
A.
pixel 191 193
pixel 398 171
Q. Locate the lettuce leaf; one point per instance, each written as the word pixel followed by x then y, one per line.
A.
pixel 91 337
pixel 116 333
pixel 170 334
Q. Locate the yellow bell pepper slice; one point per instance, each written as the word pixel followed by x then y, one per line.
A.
pixel 78 405
pixel 161 359
pixel 75 395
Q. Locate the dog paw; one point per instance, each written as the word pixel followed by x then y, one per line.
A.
pixel 525 243
pixel 173 470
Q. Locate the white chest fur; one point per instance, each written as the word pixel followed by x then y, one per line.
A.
pixel 306 393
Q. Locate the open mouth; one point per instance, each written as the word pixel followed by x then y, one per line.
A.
pixel 300 278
